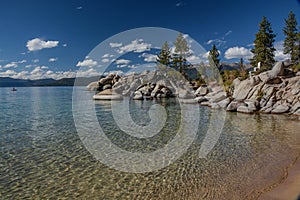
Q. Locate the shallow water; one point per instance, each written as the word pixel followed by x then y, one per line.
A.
pixel 42 156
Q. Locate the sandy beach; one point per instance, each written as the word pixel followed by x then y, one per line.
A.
pixel 289 189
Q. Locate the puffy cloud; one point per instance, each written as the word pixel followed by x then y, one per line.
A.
pixel 87 63
pixel 122 61
pixel 105 60
pixel 64 45
pixel 36 70
pixel 107 55
pixel 238 52
pixel 194 59
pixel 36 60
pixel 52 59
pixel 279 55
pixel 40 73
pixel 138 46
pixel 115 44
pixel 87 73
pixel 121 66
pixel 12 64
pixel 38 44
pixel 7 73
pixel 149 57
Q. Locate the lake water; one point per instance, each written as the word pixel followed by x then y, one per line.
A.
pixel 43 157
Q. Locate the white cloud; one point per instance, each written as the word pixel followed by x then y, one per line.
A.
pixel 121 66
pixel 122 61
pixel 79 8
pixel 228 33
pixel 194 59
pixel 132 66
pixel 39 73
pixel 87 63
pixel 138 46
pixel 13 64
pixel 52 59
pixel 28 66
pixel 21 61
pixel 36 60
pixel 38 44
pixel 238 52
pixel 279 55
pixel 64 45
pixel 115 44
pixel 10 65
pixel 36 70
pixel 105 60
pixel 149 57
pixel 7 73
pixel 107 55
pixel 44 67
pixel 217 42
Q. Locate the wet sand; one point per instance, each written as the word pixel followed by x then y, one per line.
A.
pixel 288 188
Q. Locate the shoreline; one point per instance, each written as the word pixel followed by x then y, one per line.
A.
pixel 287 187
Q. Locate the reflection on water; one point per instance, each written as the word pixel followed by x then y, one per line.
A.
pixel 41 155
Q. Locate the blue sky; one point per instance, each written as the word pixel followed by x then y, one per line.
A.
pixel 51 39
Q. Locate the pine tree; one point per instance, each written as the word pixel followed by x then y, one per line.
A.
pixel 263 50
pixel 181 53
pixel 243 71
pixel 164 57
pixel 290 41
pixel 214 55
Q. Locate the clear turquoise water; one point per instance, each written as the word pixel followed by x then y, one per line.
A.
pixel 42 157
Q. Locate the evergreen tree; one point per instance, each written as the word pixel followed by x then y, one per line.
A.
pixel 214 55
pixel 164 57
pixel 263 50
pixel 290 41
pixel 243 71
pixel 181 53
pixel 241 65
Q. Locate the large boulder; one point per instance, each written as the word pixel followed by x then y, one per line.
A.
pixel 271 75
pixel 107 95
pixel 138 96
pixel 245 109
pixel 201 91
pixel 224 103
pixel 242 90
pixel 93 86
pixel 233 106
pixel 282 108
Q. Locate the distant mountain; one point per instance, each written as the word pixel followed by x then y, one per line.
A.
pixel 11 82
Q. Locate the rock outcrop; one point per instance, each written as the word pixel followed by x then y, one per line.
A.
pixel 274 91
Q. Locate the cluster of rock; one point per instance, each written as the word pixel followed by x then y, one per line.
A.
pixel 147 85
pixel 275 91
